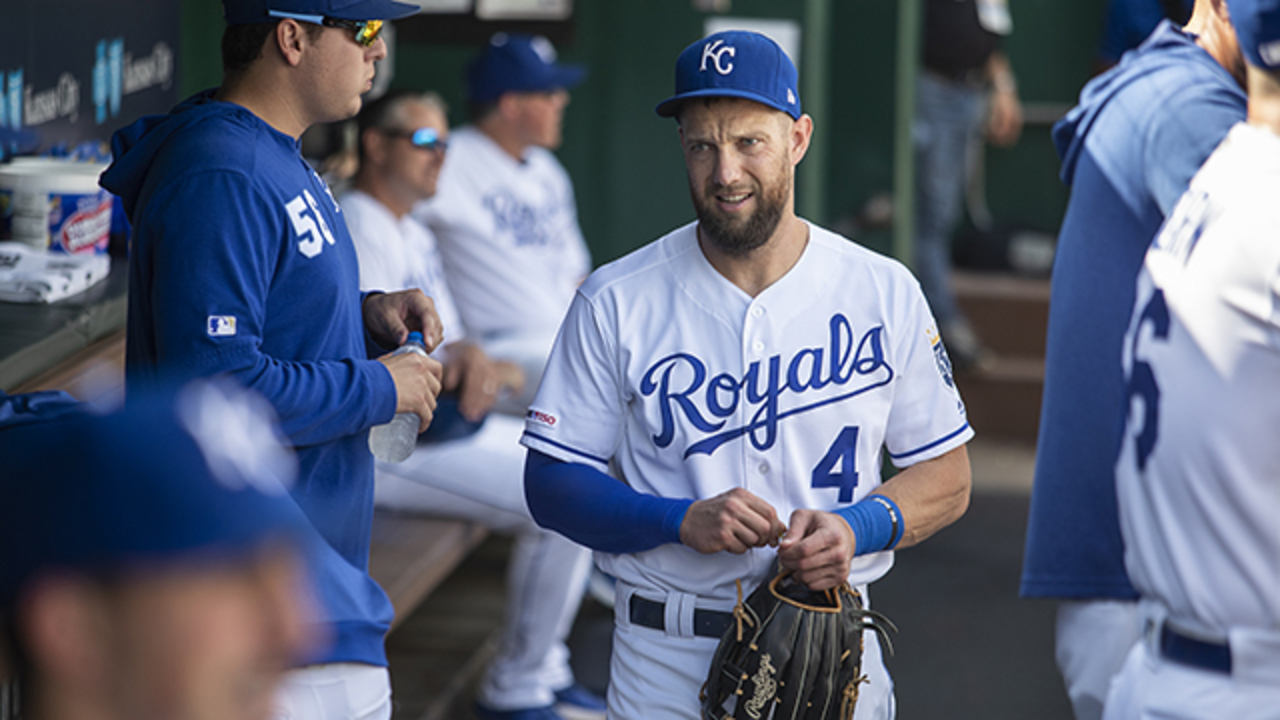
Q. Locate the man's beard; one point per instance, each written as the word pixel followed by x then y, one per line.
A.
pixel 737 236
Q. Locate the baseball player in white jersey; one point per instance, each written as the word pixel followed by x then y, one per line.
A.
pixel 743 371
pixel 1198 477
pixel 473 465
pixel 505 214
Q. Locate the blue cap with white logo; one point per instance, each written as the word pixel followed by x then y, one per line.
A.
pixel 736 63
pixel 175 476
pixel 1257 24
pixel 245 12
pixel 518 63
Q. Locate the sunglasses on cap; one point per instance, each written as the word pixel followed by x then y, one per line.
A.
pixel 425 138
pixel 366 31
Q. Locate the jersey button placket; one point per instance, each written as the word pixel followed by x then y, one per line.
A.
pixel 755 327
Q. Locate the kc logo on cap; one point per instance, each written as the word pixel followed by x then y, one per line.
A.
pixel 735 63
pixel 714 51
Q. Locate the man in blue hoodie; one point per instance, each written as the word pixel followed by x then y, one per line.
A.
pixel 241 265
pixel 1128 151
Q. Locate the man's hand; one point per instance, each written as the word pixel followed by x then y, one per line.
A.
pixel 735 521
pixel 817 549
pixel 417 381
pixel 1004 125
pixel 390 316
pixel 478 379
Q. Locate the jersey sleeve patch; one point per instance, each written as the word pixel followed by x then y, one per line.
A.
pixel 941 358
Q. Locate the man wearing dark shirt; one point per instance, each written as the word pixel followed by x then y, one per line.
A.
pixel 962 65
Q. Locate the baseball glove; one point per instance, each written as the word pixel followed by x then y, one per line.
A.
pixel 794 654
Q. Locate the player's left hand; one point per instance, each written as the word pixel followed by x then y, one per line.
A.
pixel 390 317
pixel 817 548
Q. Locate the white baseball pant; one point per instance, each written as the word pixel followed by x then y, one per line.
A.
pixel 1093 640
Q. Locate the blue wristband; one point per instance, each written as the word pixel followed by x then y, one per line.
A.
pixel 876 522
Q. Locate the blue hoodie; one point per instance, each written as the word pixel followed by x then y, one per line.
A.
pixel 1129 150
pixel 240 264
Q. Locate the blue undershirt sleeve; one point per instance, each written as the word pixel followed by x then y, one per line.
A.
pixel 598 511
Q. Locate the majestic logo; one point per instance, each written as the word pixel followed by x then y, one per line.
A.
pixel 680 380
pixel 715 52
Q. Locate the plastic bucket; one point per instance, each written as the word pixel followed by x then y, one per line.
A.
pixel 55 205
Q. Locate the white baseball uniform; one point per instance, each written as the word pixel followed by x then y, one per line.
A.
pixel 478 477
pixel 1198 477
pixel 672 379
pixel 509 238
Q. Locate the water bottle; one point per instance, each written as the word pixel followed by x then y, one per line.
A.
pixel 394 441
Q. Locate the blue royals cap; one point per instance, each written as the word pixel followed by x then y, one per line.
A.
pixel 518 63
pixel 735 63
pixel 200 473
pixel 1257 25
pixel 245 12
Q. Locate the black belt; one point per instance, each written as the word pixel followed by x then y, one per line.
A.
pixel 1196 653
pixel 652 614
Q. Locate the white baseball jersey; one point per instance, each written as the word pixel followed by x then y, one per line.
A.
pixel 398 254
pixel 508 234
pixel 677 382
pixel 1198 475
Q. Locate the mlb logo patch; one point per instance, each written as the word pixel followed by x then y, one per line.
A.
pixel 222 325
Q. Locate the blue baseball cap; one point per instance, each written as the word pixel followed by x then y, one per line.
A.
pixel 518 63
pixel 736 63
pixel 1257 24
pixel 245 12
pixel 200 472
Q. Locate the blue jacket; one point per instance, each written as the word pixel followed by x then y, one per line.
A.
pixel 240 264
pixel 1128 151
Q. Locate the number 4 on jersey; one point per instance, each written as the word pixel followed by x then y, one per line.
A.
pixel 839 467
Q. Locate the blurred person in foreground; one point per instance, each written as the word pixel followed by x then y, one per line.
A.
pixel 505 215
pixel 469 463
pixel 1129 149
pixel 1197 478
pixel 151 560
pixel 241 265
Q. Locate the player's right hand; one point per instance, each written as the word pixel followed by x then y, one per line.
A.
pixel 735 521
pixel 417 381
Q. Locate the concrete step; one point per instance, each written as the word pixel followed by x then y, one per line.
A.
pixel 1011 315
pixel 1004 400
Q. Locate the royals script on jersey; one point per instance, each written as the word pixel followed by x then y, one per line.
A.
pixel 687 387
pixel 1197 473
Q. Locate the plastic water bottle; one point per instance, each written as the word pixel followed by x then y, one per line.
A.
pixel 394 441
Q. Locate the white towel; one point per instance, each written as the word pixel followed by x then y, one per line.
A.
pixel 28 275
